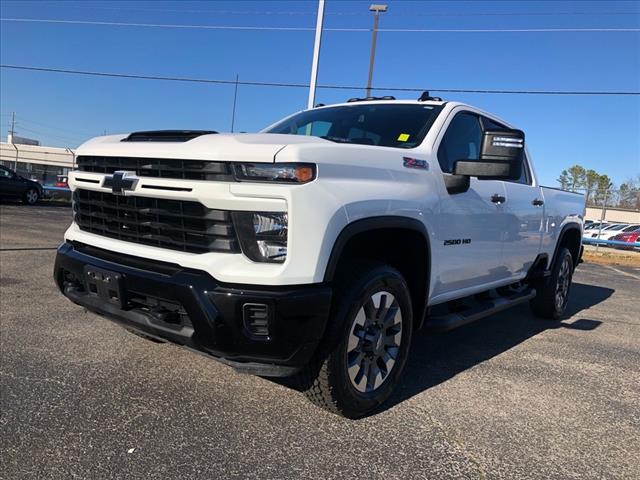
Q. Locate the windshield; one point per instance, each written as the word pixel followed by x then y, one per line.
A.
pixel 386 125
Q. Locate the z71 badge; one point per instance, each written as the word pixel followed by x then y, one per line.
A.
pixel 415 163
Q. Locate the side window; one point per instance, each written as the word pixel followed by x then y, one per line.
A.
pixel 525 176
pixel 461 141
pixel 489 124
pixel 5 173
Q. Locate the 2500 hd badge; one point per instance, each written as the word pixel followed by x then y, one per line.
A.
pixel 457 241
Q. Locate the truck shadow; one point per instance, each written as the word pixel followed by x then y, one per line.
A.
pixel 435 358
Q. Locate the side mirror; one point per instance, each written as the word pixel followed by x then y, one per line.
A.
pixel 501 157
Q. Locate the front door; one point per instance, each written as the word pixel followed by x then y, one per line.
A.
pixel 468 242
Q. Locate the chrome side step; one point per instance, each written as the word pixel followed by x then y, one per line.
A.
pixel 482 306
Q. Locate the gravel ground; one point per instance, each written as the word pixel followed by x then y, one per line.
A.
pixel 507 397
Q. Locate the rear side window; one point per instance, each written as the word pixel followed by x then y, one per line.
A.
pixel 461 141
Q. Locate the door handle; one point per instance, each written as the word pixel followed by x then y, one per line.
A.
pixel 537 202
pixel 495 198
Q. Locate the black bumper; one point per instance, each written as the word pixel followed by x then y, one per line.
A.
pixel 190 308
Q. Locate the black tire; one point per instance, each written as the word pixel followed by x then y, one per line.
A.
pixel 384 329
pixel 31 196
pixel 552 296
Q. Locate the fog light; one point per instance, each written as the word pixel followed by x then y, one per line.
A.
pixel 273 251
pixel 255 317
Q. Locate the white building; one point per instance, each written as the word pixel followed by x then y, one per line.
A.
pixel 37 162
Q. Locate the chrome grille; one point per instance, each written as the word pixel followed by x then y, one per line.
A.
pixel 159 167
pixel 174 224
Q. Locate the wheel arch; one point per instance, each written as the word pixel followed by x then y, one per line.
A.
pixel 571 238
pixel 371 237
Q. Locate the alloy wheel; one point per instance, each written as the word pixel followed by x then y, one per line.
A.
pixel 32 197
pixel 562 285
pixel 374 342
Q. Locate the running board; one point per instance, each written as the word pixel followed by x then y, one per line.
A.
pixel 449 321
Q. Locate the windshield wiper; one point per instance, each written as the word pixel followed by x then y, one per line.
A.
pixel 336 139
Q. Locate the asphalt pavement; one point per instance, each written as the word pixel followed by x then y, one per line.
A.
pixel 507 397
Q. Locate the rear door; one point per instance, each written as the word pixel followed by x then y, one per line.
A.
pixel 524 211
pixel 468 242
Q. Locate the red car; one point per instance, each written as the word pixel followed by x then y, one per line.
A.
pixel 62 181
pixel 629 237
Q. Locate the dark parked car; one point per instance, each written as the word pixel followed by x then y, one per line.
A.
pixel 13 185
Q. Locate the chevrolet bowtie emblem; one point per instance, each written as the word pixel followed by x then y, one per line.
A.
pixel 121 181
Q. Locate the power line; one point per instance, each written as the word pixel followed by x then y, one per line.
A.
pixel 57 137
pixel 310 29
pixel 51 127
pixel 310 13
pixel 304 85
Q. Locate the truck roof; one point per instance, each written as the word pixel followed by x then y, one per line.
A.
pixel 406 101
pixel 383 100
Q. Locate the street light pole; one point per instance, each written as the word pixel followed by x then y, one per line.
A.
pixel 376 9
pixel 316 56
pixel 13 127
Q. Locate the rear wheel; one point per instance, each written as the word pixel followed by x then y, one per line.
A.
pixel 552 297
pixel 31 196
pixel 368 344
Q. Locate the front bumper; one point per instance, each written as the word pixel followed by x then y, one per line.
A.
pixel 190 308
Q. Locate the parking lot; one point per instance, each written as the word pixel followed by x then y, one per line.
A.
pixel 507 397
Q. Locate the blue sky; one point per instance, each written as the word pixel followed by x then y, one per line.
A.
pixel 597 132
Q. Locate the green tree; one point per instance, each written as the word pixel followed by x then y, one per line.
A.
pixel 563 180
pixel 629 194
pixel 573 178
pixel 603 191
pixel 590 184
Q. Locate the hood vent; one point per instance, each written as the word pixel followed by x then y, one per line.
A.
pixel 166 135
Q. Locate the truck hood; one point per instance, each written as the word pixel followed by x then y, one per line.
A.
pixel 240 147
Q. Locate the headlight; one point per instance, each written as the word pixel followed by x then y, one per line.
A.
pixel 278 172
pixel 262 235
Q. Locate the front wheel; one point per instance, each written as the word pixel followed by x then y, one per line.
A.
pixel 552 297
pixel 31 196
pixel 371 329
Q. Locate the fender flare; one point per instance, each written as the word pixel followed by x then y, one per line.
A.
pixel 377 223
pixel 566 228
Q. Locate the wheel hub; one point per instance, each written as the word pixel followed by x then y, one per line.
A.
pixel 374 342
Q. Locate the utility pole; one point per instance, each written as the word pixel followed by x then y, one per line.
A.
pixel 316 56
pixel 13 126
pixel 235 97
pixel 603 214
pixel 377 10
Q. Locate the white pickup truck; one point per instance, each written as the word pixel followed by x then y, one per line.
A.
pixel 315 248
